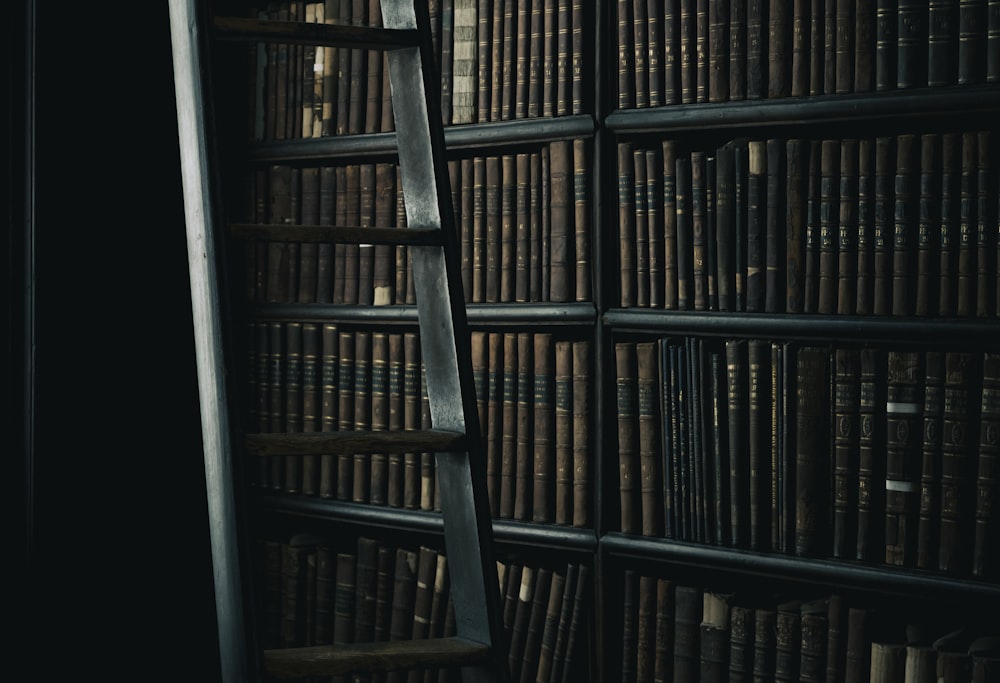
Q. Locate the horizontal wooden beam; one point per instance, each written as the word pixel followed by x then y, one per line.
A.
pixel 302 33
pixel 336 234
pixel 348 442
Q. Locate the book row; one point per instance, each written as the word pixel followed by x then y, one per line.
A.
pixel 902 225
pixel 497 61
pixel 533 397
pixel 674 631
pixel 523 220
pixel 319 591
pixel 687 51
pixel 886 456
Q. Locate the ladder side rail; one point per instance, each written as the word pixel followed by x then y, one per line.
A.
pixel 205 299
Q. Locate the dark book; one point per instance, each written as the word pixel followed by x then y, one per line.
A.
pixel 740 466
pixel 756 216
pixel 788 641
pixel 534 68
pixel 340 250
pixel 562 432
pixel 578 622
pixel 864 45
pixel 845 49
pixel 684 232
pixel 438 626
pixel 737 50
pixel 870 467
pixel 699 229
pixel 701 47
pixel 865 242
pixel 508 229
pixel 671 51
pixel 628 447
pixel 813 642
pixel 757 49
pixel 429 499
pixel 543 430
pixel 630 625
pixel 508 432
pixel 352 259
pixel 582 433
pixel 564 59
pixel 645 629
pixel 330 405
pixel 739 218
pixel 984 549
pixel 293 402
pixel 796 184
pixel 858 650
pixel 345 598
pixel 511 586
pixel 497 66
pixel 325 594
pixel 366 252
pixel 493 235
pixel 942 43
pixel 309 215
pixel 719 28
pixel 904 246
pixel 412 365
pixel 580 247
pixel 714 635
pixel 648 439
pixel 535 625
pixel 628 257
pixel 986 238
pixel 654 219
pixel 357 99
pixel 993 44
pixel 550 29
pixel 638 42
pixel 519 624
pixel 558 646
pixel 885 44
pixel 741 637
pixel 279 257
pixel 817 47
pixel 465 217
pixel 957 466
pixel 928 219
pixel 881 226
pixel 828 226
pixel 538 209
pixel 911 44
pixel 366 590
pixel 836 637
pixel 362 404
pixel 779 23
pixel 423 599
pixel 324 251
pixel 904 404
pixel 521 44
pixel 725 227
pixel 846 407
pixel 764 643
pixel 812 451
pixel 479 230
pixel 758 437
pixel 276 377
pixel 687 637
pixel 561 207
pixel 799 53
pixel 378 493
pixel 480 347
pixel 550 627
pixel 972 25
pixel 928 512
pixel 294 605
pixel 641 221
pixel 830 46
pixel 383 255
pixel 524 432
pixel 626 55
pixel 686 29
pixel 669 214
pixel 951 170
pixel 654 56
pixel 711 230
pixel 404 587
pixel 847 232
pixel 374 73
pixel 775 214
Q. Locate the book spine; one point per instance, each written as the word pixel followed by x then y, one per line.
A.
pixel 764 644
pixel 654 220
pixel 942 43
pixel 845 46
pixel 682 194
pixel 813 642
pixel 864 45
pixel 757 49
pixel 509 425
pixel 756 236
pixel 885 44
pixel 645 628
pixel 847 250
pixel 774 254
pixel 737 50
pixel 725 238
pixel 563 432
pixel 699 245
pixel 650 477
pixel 379 462
pixel 788 642
pixel 362 400
pixel 758 446
pixel 965 286
pixel 927 219
pixel 714 638
pixel 956 476
pixel 671 52
pixel 795 224
pixel 718 50
pixel 523 435
pixel 869 494
pixel 904 246
pixel 800 49
pixel 641 219
pixel 883 218
pixel 582 433
pixel 865 243
pixel 984 553
pixel 904 406
pixel 628 256
pixel 688 603
pixel 812 457
pixel 580 247
pixel 930 462
pixel 986 237
pixel 912 44
pixel 828 260
pixel 972 26
pixel 545 446
pixel 846 444
pixel 739 475
pixel 701 47
pixel 628 466
pixel 779 23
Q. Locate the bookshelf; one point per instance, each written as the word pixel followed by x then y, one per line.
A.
pixel 692 280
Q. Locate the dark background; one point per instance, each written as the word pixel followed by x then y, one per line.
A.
pixel 119 576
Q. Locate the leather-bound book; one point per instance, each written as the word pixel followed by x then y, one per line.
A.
pixel 464 217
pixel 779 53
pixel 847 232
pixel 882 226
pixel 904 405
pixel 810 267
pixel 836 637
pixel 788 640
pixel 645 629
pixel 741 636
pixel 682 194
pixel 740 172
pixel 845 46
pixel 404 588
pixel 578 621
pixel 518 214
pixel 756 206
pixel 846 406
pixel 985 560
pixel 716 469
pixel 566 604
pixel 737 68
pixel 725 228
pixel 330 404
pixel 379 417
pixel 951 165
pixel 639 44
pixel 394 484
pixel 411 417
pixel 885 44
pixel 497 66
pixel 817 50
pixel 911 44
pixel 699 229
pixel 864 45
pixel 345 596
pixel 325 593
pixel 580 246
pixel 508 229
pixel 535 55
pixel 293 402
pixel 986 238
pixel 383 255
pixel 522 45
pixel 870 465
pixel 829 46
pixel 942 43
pixel 906 203
pixel 362 404
pixel 688 603
pixel 549 629
pixel 812 451
pixel 813 642
pixel 365 590
pixel 758 442
pixel 928 514
pixel 628 447
pixel 714 637
pixel 888 661
pixel 493 189
pixel 626 55
pixel 865 242
pixel 630 625
pixel 671 52
pixel 928 222
pixel 627 257
pixel 972 24
pixel 582 433
pixel 641 219
pixel 276 377
pixel 764 643
pixel 648 439
pixel 957 464
pixel 578 63
pixel 688 51
pixel 562 434
pixel 544 463
pixel 857 661
pixel 966 282
pixel 800 49
pixel 366 252
pixel 718 50
pixel 796 180
pixel 775 215
pixel 479 230
pixel 701 47
pixel 535 625
pixel 519 624
pixel 757 49
pixel 508 432
pixel 828 219
pixel 663 641
pixel 524 432
pixel 294 605
pixel 495 420
pixel 740 465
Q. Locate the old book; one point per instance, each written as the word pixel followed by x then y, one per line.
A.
pixel 777 498
pixel 888 661
pixel 669 214
pixel 928 220
pixel 986 239
pixel 775 213
pixel 654 219
pixel 493 189
pixel 740 173
pixel 671 51
pixel 366 252
pixel 357 100
pixel 580 247
pixel 508 433
pixel 737 50
pixel 810 299
pixel 641 221
pixel 718 50
pixel 799 52
pixel 714 634
pixel 740 466
pixel 756 235
pixel 499 70
pixel 578 622
pixel 699 245
pixel 701 47
pixel 725 227
pixel 864 45
pixel 549 628
pixel 864 243
pixel 788 640
pixel 478 230
pixel 411 417
pixel 627 258
pixel 972 21
pixel 685 238
pixel 870 467
pixel 404 588
pixel 904 246
pixel 562 431
pixel 508 229
pixel 688 603
pixel 330 406
pixel 305 291
pixel 345 597
pixel 796 180
pixel 520 43
pixel 829 23
pixel 519 625
pixel 828 226
pixel 464 62
pixel 836 637
pixel 535 625
pixel 351 259
pixel 928 512
pixel 942 43
pixel 845 46
pixel 293 586
pixel 858 650
pixel 564 58
pixel 628 447
pixel 378 493
pixel 885 44
pixel 566 605
pixel 561 207
pixel 741 637
pixel 395 397
pixel 524 432
pixel 361 401
pixel 812 456
pixel 324 594
pixel 538 212
pixel 429 494
pixel 648 439
pixel 654 51
pixel 711 230
pixel 626 55
pixel 764 643
pixel 779 22
pixel 846 406
pixel 904 404
pixel 957 479
pixel 293 402
pixel 951 170
pixel 882 222
pixel 687 49
pixel 310 411
pixel 494 418
pixel 365 589
pixel 645 629
pixel 276 376
pixel 847 232
pixel 984 550
pixel 911 44
pixel 582 433
pixel 638 42
pixel 813 641
pixel 757 49
pixel 758 404
pixel 544 463
pixel 630 626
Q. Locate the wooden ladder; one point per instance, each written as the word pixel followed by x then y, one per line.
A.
pixel 431 238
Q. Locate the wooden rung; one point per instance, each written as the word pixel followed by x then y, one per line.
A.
pixel 336 234
pixel 348 442
pixel 328 660
pixel 302 33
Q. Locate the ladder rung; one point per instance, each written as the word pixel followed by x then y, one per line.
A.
pixel 338 234
pixel 328 660
pixel 303 33
pixel 347 442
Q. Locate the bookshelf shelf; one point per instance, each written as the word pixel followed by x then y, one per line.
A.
pixel 479 315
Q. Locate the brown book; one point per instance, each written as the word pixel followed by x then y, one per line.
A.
pixel 628 447
pixel 741 636
pixel 671 52
pixel 378 492
pixel 535 625
pixel 330 398
pixel 885 44
pixel 957 466
pixel 508 229
pixel 800 48
pixel 309 215
pixel 870 467
pixel 325 593
pixel 383 216
pixel 628 257
pixel 562 431
pixel 928 218
pixel 847 233
pixel 775 213
pixel 582 433
pixel 984 549
pixel 562 237
pixel 564 59
pixel 714 637
pixel 362 403
pixel 888 661
pixel 813 643
pixel 930 462
pixel 829 46
pixel 669 213
pixel 864 45
pixel 331 57
pixel 645 632
pixel 699 230
pixel 812 451
pixel 951 169
pixel 324 251
pixel 701 46
pixel 522 229
pixel 373 69
pixel 479 230
pixel 845 49
pixel 582 222
pixel 538 219
pixel 345 83
pixel 535 58
pixel 764 644
pixel 411 417
pixel 846 406
pixel 428 475
pixel 779 23
pixel 883 213
pixel 509 425
pixel 543 430
pixel 796 184
pixel 492 235
pixel 685 237
pixel 865 243
pixel 567 605
pixel 345 592
pixel 352 261
pixel 648 439
pixel 549 66
pixel 357 101
pixel 986 238
pixel 465 216
pixel 858 651
pixel 339 250
pixel 366 252
pixel 404 586
pixel 524 432
pixel 294 605
pixel 311 346
pixel 828 226
pixel 494 419
pixel 293 402
pixel 423 599
pixel 496 74
pixel 904 247
pixel 549 628
pixel 641 220
pixel 395 393
pixel 520 44
pixel 904 405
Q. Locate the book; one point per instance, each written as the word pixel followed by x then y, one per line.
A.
pixel 885 44
pixel 928 219
pixel 582 433
pixel 725 227
pixel 836 637
pixel 795 224
pixel 684 237
pixel 582 221
pixel 648 438
pixel 404 587
pixel 942 43
pixel 764 643
pixel 756 234
pixel 293 402
pixel 904 405
pixel 845 49
pixel 930 462
pixel 718 50
pixel 779 22
pixel 554 613
pixel 688 604
pixel 911 44
pixel 904 247
pixel 986 242
pixel 741 637
pixel 330 398
pixel 972 20
pixel 847 233
pixel 957 480
pixel 379 413
pixel 814 627
pixel 628 256
pixel 788 640
pixel 362 403
pixel 562 431
pixel 882 220
pixel 775 213
pixel 739 470
pixel 828 226
pixel 508 229
pixel 545 447
pixel 654 221
pixel 800 48
pixel 366 589
pixel 984 553
pixel 493 234
pixel 628 453
pixel 870 493
pixel 411 417
pixel 566 607
pixel 858 650
pixel 865 244
pixel 508 432
pixel 345 596
pixel 687 29
pixel 561 207
pixel 465 66
pixel 524 454
pixel 759 442
pixel 846 405
pixel 535 624
pixel 642 229
pixel 951 165
pixel 757 49
pixel 645 632
pixel 701 47
pixel 812 451
pixel 630 619
pixel 888 662
pixel 519 625
pixel 699 230
pixel 829 68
